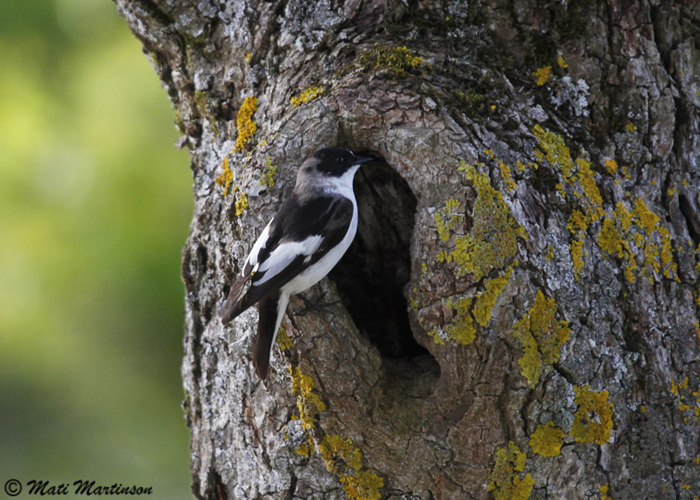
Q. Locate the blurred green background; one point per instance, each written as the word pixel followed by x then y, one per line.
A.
pixel 95 204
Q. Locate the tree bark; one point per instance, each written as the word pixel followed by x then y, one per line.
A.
pixel 519 314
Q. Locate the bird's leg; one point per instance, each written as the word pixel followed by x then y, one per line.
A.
pixel 314 305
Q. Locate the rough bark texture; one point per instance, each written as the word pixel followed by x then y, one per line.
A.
pixel 525 278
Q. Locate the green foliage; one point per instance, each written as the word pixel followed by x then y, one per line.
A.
pixel 95 203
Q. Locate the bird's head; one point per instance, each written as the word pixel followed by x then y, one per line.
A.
pixel 330 166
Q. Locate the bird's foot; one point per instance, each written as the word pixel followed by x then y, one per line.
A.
pixel 315 305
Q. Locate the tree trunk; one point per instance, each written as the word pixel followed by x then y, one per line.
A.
pixel 518 315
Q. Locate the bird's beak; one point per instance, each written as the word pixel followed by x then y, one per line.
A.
pixel 359 160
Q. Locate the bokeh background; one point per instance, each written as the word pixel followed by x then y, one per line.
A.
pixel 95 203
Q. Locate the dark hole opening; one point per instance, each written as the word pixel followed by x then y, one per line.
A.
pixel 372 275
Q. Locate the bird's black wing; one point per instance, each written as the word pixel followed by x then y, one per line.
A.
pixel 301 233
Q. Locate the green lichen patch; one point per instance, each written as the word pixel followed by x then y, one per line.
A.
pixel 397 62
pixel 268 175
pixel 593 420
pixel 547 440
pixel 541 337
pixel 506 481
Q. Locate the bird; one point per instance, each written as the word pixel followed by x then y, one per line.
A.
pixel 306 238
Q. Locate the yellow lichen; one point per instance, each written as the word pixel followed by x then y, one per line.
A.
pixel 268 176
pixel 631 127
pixel 593 200
pixel 396 61
pixel 542 337
pixel 578 176
pixel 604 492
pixel 611 166
pixel 609 239
pixel 341 457
pixel 547 440
pixel 362 485
pixel 308 402
pixel 550 253
pixel 542 75
pixel 304 450
pixel 553 149
pixel 505 479
pixel 486 300
pixel 334 448
pixel 283 340
pixel 462 329
pixel 447 219
pixel 226 178
pixel 577 253
pixel 577 222
pixel 688 400
pixel 492 242
pixel 593 419
pixel 505 173
pixel 344 460
pixel 562 64
pixel 308 95
pixel 626 233
pixel 623 235
pixel 241 203
pixel 245 124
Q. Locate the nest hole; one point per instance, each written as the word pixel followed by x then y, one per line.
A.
pixel 371 278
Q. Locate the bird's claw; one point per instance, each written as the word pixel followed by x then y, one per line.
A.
pixel 315 305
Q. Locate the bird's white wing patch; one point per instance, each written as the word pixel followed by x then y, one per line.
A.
pixel 285 253
pixel 252 259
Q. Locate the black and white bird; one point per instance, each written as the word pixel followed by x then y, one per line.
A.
pixel 301 244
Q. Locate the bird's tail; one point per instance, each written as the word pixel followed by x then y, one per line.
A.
pixel 270 312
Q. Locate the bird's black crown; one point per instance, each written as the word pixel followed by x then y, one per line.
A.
pixel 335 161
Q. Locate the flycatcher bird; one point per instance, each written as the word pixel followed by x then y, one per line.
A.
pixel 300 245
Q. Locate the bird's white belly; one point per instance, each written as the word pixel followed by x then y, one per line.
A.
pixel 315 273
